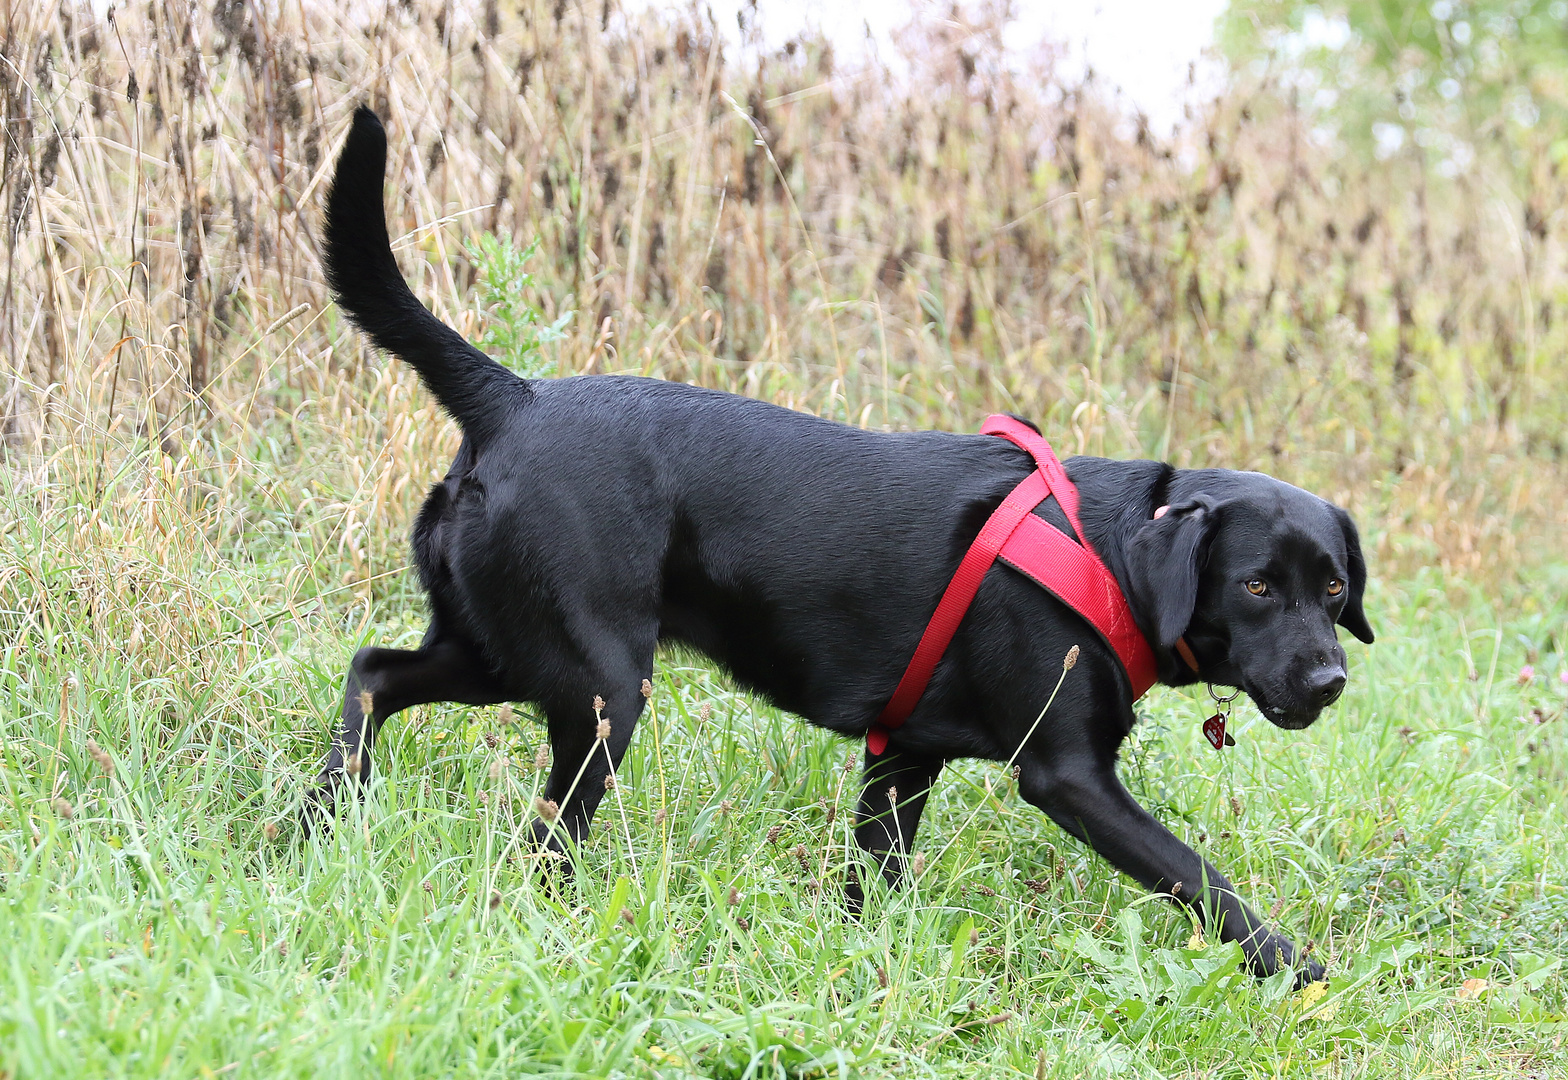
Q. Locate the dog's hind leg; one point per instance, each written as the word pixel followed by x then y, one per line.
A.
pixel 892 798
pixel 383 682
pixel 582 761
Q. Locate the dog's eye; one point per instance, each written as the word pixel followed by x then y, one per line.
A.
pixel 1257 588
pixel 1335 587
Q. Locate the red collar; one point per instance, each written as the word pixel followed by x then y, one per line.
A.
pixel 1071 572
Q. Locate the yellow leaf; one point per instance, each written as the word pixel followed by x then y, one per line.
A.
pixel 658 1053
pixel 1312 993
pixel 1471 989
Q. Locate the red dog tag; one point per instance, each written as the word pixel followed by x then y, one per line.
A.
pixel 1214 731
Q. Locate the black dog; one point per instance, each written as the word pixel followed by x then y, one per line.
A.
pixel 585 520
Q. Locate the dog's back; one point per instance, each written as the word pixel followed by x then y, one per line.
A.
pixel 626 507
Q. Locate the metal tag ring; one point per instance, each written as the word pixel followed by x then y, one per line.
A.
pixel 1226 699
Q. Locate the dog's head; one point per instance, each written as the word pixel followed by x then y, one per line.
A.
pixel 1255 574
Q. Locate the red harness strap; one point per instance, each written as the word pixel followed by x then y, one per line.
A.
pixel 1070 571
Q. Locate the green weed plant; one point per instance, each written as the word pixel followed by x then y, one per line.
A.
pixel 514 333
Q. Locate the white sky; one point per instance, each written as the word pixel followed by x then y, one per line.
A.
pixel 1142 46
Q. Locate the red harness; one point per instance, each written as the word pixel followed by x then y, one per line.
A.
pixel 1071 572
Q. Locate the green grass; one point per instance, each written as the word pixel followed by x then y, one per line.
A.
pixel 186 616
pixel 193 620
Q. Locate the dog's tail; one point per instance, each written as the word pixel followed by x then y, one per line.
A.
pixel 361 271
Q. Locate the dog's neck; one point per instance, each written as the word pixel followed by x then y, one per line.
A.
pixel 1116 499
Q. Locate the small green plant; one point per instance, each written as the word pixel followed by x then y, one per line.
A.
pixel 514 332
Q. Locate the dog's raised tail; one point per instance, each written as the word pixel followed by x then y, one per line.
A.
pixel 361 271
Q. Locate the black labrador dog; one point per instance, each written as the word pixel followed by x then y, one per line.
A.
pixel 585 520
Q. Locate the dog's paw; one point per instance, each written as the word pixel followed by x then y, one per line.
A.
pixel 319 808
pixel 1277 954
pixel 555 866
pixel 854 895
pixel 1308 973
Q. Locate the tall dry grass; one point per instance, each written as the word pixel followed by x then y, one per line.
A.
pixel 888 249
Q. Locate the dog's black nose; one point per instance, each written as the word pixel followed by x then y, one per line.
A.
pixel 1325 684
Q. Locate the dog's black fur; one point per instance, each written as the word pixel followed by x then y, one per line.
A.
pixel 585 520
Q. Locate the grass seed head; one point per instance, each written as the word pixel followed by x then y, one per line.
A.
pixel 367 703
pixel 774 832
pixel 609 781
pixel 63 808
pixel 505 716
pixel 352 765
pixel 542 757
pixel 647 689
pixel 602 730
pixel 918 865
pixel 1070 659
pixel 547 809
pixel 101 757
pixel 598 704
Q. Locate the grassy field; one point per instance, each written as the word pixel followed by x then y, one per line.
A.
pixel 173 654
pixel 208 480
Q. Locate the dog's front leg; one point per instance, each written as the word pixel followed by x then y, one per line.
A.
pixel 892 798
pixel 1084 797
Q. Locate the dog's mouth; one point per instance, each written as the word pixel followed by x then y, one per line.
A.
pixel 1282 715
pixel 1292 721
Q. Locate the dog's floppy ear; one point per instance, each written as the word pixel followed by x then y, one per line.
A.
pixel 1164 560
pixel 1353 618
